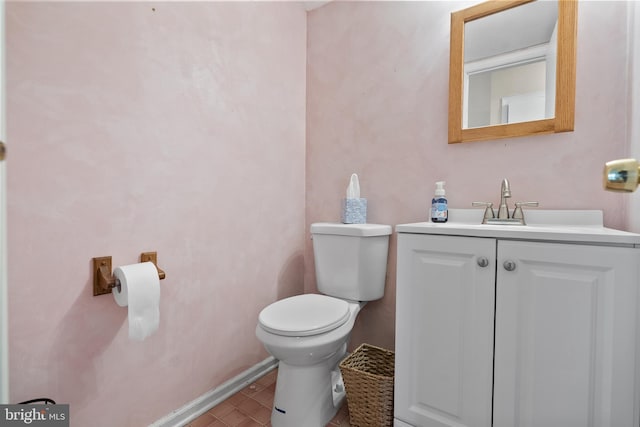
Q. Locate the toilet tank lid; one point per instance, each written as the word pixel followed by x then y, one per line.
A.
pixel 361 230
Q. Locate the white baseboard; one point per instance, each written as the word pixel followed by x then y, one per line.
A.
pixel 202 404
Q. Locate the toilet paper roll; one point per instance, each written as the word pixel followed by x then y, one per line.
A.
pixel 140 291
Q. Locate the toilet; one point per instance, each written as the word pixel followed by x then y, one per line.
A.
pixel 308 333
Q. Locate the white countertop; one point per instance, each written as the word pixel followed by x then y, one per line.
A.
pixel 580 226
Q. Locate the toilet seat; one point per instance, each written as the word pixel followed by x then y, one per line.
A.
pixel 304 315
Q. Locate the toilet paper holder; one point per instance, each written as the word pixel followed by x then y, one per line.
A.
pixel 104 280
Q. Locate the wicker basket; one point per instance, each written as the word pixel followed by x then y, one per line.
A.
pixel 368 379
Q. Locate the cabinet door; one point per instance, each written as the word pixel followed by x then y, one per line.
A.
pixel 565 335
pixel 444 330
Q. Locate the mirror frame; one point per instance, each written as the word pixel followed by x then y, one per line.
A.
pixel 563 120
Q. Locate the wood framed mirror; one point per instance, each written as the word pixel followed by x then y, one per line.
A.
pixel 486 61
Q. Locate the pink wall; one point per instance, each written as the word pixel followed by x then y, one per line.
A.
pixel 179 130
pixel 377 96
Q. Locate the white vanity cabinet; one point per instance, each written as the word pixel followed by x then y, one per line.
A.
pixel 535 327
pixel 444 330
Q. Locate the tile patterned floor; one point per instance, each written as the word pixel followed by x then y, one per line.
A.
pixel 251 407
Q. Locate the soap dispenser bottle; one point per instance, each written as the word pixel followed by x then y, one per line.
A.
pixel 439 209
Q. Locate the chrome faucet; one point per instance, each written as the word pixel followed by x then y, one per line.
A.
pixel 504 217
pixel 505 193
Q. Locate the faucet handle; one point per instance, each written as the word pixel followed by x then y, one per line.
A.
pixel 488 212
pixel 518 213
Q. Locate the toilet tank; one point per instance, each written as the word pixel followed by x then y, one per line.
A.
pixel 351 259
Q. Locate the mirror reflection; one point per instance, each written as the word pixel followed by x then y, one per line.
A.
pixel 489 88
pixel 509 66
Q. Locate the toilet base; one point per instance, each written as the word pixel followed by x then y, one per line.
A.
pixel 306 396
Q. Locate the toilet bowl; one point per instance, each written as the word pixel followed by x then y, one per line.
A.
pixel 307 393
pixel 309 333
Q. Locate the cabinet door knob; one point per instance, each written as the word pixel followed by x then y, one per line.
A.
pixel 509 265
pixel 483 261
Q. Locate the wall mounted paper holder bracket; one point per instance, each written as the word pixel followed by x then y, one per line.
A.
pixel 152 257
pixel 103 279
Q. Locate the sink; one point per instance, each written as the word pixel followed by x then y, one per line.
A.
pixel 584 226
